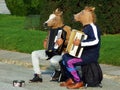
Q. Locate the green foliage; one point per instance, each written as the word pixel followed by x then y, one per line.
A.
pixel 108 16
pixel 33 6
pixel 16 7
pixel 25 7
pixel 107 11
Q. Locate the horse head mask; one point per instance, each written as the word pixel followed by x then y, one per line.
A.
pixel 86 16
pixel 55 19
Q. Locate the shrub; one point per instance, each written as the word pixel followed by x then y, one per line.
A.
pixel 16 7
pixel 108 12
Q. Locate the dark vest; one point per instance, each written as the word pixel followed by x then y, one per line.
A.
pixel 51 51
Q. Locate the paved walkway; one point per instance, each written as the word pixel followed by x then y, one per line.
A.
pixel 3 8
pixel 17 66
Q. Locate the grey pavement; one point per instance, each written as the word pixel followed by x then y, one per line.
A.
pixel 17 66
pixel 3 8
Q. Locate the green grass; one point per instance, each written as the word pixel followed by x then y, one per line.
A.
pixel 14 37
pixel 110 49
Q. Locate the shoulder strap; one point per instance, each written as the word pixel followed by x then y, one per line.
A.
pixel 63 26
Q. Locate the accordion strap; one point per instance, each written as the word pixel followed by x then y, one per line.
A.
pixel 63 26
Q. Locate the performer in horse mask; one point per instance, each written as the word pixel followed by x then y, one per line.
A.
pixel 54 44
pixel 91 48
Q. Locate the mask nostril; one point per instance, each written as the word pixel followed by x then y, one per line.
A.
pixel 45 24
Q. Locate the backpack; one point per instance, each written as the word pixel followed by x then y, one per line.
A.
pixel 92 75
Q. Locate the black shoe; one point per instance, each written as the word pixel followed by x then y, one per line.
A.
pixel 36 79
pixel 55 75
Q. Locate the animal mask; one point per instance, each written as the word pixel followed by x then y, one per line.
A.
pixel 86 16
pixel 55 19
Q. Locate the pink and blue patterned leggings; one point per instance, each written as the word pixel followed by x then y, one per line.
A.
pixel 70 62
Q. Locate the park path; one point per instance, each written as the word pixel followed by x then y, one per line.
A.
pixel 3 7
pixel 17 66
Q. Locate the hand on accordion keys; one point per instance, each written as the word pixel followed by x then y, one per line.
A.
pixel 76 42
pixel 59 41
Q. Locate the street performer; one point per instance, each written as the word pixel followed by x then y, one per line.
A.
pixel 91 48
pixel 55 44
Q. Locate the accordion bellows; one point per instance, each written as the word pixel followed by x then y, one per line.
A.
pixel 73 50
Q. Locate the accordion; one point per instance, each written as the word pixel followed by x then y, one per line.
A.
pixel 52 47
pixel 73 50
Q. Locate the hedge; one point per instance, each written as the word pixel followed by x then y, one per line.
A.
pixel 107 11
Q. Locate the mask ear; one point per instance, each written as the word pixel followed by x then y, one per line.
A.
pixel 61 13
pixel 90 8
pixel 58 12
pixel 93 8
